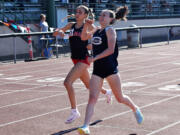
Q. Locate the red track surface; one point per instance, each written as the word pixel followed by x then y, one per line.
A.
pixel 33 100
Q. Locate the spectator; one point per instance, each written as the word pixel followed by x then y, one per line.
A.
pixel 43 28
pixel 65 1
pixel 149 5
pixel 164 5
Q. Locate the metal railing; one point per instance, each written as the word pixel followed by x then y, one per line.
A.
pixel 14 35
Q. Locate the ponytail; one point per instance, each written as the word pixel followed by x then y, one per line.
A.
pixel 120 14
pixel 91 14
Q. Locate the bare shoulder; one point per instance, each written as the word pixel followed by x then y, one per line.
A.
pixel 110 31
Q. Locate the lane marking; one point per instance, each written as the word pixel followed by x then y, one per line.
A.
pixel 142 107
pixel 120 71
pixel 163 83
pixel 167 54
pixel 147 75
pixel 144 67
pixel 121 128
pixel 170 88
pixel 34 66
pixel 132 84
pixel 35 71
pixel 163 128
pixel 17 78
pixel 176 63
pixel 44 114
pixel 81 90
pixel 91 71
pixel 53 79
pixel 106 118
pixel 17 82
pixel 29 101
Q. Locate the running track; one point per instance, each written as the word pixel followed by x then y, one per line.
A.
pixel 33 100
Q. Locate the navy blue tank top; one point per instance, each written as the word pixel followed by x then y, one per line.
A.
pixel 77 46
pixel 100 43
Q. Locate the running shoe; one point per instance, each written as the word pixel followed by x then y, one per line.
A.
pixel 139 116
pixel 73 116
pixel 84 130
pixel 109 96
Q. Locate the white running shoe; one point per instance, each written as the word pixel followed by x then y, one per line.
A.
pixel 109 96
pixel 73 116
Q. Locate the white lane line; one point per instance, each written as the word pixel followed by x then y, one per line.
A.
pixel 151 93
pixel 17 78
pixel 35 91
pixel 63 109
pixel 42 77
pixel 141 61
pixel 16 82
pixel 82 89
pixel 120 128
pixel 147 75
pixel 176 63
pixel 144 67
pixel 159 84
pixel 33 66
pixel 29 101
pixel 167 54
pixel 38 86
pixel 145 106
pixel 163 128
pixel 138 89
pixel 38 99
pixel 120 71
pixel 51 79
pixel 35 71
pixel 44 114
pixel 172 88
pixel 15 91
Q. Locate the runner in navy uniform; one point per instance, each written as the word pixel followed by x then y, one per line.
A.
pixel 79 56
pixel 105 52
pixel 107 65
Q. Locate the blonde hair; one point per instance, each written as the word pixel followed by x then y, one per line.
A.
pixel 42 16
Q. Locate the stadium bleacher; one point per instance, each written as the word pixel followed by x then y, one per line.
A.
pixel 29 10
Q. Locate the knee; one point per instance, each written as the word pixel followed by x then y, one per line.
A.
pixel 67 83
pixel 87 86
pixel 93 99
pixel 120 99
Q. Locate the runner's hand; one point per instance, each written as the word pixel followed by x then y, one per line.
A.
pixel 59 32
